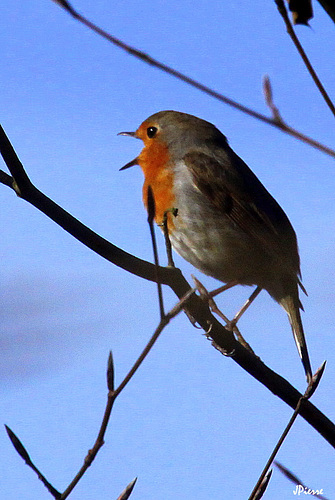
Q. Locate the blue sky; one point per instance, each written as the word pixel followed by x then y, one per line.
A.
pixel 190 422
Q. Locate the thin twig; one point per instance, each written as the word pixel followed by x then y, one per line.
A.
pixel 190 81
pixel 163 323
pixel 151 218
pixel 309 392
pixel 269 99
pixel 25 455
pixel 112 395
pixel 127 491
pixel 283 12
pixel 292 477
pixel 168 245
pixel 263 486
pixel 277 447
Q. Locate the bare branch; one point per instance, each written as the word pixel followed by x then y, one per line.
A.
pixel 269 99
pixel 329 7
pixel 151 218
pixel 24 454
pixel 190 81
pixel 313 384
pixel 296 480
pixel 113 394
pixel 127 491
pixel 283 12
pixel 6 179
pixel 21 184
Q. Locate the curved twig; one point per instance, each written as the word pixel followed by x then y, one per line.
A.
pixel 190 81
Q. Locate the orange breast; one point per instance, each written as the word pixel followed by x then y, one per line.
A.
pixel 155 163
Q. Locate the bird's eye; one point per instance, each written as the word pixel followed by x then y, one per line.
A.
pixel 151 132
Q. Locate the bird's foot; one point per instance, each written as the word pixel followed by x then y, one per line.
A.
pixel 208 296
pixel 230 325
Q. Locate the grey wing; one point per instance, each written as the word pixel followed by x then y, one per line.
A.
pixel 237 193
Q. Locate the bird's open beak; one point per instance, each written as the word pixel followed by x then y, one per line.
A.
pixel 132 162
pixel 131 134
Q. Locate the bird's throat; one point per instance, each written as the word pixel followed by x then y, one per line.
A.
pixel 155 163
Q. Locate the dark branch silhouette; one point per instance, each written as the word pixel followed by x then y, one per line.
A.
pixel 329 7
pixel 25 456
pixel 283 12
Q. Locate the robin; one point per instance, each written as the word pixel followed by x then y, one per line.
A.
pixel 220 217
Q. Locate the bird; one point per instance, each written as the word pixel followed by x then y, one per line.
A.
pixel 218 214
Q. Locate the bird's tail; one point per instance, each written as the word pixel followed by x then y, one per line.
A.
pixel 292 305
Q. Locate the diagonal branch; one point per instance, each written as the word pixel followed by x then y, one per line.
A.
pixel 283 12
pixel 25 456
pixel 146 58
pixel 309 392
pixel 300 486
pixel 329 7
pixel 127 491
pixel 222 338
pixel 113 394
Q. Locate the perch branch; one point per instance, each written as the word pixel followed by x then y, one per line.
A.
pixel 222 338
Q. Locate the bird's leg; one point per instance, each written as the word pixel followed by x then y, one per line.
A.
pixel 230 324
pixel 206 295
pixel 168 245
pixel 222 288
pixel 245 306
pixel 168 248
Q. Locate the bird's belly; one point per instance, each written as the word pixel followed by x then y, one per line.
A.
pixel 211 243
pixel 207 238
